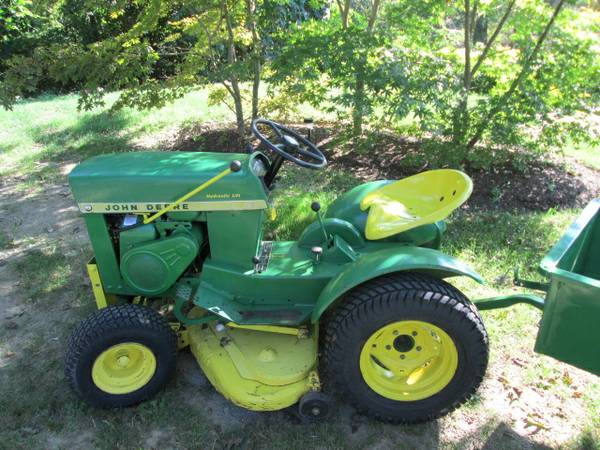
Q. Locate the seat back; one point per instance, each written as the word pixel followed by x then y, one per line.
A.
pixel 421 199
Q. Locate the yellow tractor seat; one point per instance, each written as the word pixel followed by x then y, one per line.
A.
pixel 414 201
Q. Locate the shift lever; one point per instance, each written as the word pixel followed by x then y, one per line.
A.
pixel 316 207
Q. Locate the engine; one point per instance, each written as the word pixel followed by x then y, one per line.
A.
pixel 154 256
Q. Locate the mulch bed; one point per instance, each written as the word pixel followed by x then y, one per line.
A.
pixel 557 183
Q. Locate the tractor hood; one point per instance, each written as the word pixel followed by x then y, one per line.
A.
pixel 140 182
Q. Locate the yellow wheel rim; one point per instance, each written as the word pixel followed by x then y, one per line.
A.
pixel 408 360
pixel 124 368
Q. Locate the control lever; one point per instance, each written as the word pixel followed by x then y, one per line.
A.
pixel 255 263
pixel 317 251
pixel 310 126
pixel 316 207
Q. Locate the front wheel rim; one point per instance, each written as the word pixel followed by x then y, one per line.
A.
pixel 408 360
pixel 124 368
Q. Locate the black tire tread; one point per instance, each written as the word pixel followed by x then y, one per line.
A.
pixel 379 293
pixel 107 320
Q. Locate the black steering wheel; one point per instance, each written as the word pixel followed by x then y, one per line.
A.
pixel 308 155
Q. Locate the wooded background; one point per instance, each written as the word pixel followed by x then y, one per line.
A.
pixel 475 78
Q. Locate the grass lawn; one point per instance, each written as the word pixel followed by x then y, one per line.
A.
pixel 526 400
pixel 587 154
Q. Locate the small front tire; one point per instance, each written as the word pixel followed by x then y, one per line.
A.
pixel 120 356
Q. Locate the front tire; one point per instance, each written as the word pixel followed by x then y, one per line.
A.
pixel 405 348
pixel 120 356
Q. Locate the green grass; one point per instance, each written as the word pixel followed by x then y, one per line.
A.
pixel 39 411
pixel 5 240
pixel 43 271
pixel 586 154
pixel 49 129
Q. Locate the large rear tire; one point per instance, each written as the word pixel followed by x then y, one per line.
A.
pixel 120 356
pixel 404 348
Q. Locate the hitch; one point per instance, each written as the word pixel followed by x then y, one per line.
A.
pixel 528 284
pixel 504 301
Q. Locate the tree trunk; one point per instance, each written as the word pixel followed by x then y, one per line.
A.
pixel 239 110
pixel 344 7
pixel 234 89
pixel 357 113
pixel 515 84
pixel 256 54
pixel 495 34
pixel 461 116
pixel 359 86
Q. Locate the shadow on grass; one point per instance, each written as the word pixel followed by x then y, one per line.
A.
pixel 39 410
pixel 93 134
pixel 47 97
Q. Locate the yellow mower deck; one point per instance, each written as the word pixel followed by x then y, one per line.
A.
pixel 256 369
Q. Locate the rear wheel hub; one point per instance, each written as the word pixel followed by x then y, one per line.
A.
pixel 408 360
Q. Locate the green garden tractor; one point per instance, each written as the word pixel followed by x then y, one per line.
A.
pixel 357 306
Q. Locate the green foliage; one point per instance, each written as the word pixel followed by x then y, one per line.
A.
pixel 411 68
pixel 398 65
pixel 557 91
pixel 153 51
pixel 325 59
pixel 25 25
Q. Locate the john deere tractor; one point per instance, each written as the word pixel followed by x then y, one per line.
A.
pixel 357 306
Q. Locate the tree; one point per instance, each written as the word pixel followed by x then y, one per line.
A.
pixel 153 51
pixel 338 60
pixel 520 87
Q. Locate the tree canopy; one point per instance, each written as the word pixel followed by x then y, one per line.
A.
pixel 508 73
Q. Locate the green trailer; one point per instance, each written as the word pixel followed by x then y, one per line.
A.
pixel 569 328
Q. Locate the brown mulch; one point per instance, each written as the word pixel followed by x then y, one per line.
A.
pixel 557 183
pixel 554 184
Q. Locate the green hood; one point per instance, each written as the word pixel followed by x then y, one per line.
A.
pixel 145 181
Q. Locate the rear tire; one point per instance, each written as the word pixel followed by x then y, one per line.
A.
pixel 404 348
pixel 120 356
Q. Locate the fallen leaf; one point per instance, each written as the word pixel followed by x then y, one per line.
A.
pixel 519 362
pixel 504 381
pixel 536 423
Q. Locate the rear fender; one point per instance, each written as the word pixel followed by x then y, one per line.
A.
pixel 391 260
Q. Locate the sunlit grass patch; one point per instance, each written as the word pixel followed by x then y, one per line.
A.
pixel 50 128
pixel 587 154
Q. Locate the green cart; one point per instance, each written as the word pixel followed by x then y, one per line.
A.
pixel 570 327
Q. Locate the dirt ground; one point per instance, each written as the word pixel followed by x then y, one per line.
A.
pixel 508 411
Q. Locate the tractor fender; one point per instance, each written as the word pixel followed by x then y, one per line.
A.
pixel 390 260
